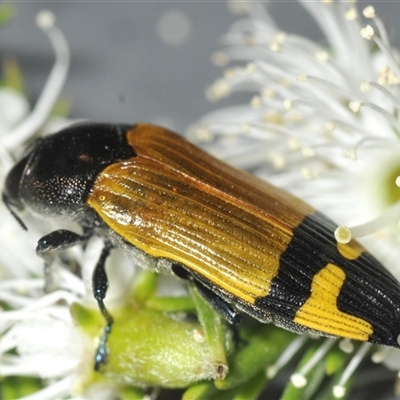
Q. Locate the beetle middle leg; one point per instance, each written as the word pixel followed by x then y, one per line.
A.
pixel 216 302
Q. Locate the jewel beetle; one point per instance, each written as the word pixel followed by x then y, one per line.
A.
pixel 247 246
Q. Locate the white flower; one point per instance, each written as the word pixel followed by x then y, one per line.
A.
pixel 322 119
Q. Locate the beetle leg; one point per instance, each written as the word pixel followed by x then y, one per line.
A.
pixel 48 245
pixel 216 302
pixel 62 240
pixel 100 286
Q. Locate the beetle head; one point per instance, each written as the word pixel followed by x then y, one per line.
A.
pixel 56 175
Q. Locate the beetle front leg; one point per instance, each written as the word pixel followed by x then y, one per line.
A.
pixel 100 286
pixel 50 244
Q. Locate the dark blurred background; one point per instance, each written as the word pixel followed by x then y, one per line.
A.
pixel 141 61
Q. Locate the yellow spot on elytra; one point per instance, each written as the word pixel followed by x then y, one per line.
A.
pixel 320 311
pixel 351 250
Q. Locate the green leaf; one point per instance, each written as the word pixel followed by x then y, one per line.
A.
pixel 131 393
pixel 335 360
pixel 214 330
pixel 171 304
pixel 252 389
pixel 145 285
pixel 14 387
pixel 200 391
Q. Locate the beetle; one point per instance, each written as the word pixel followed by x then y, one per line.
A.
pixel 246 245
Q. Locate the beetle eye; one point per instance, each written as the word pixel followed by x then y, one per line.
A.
pixel 11 197
pixel 11 189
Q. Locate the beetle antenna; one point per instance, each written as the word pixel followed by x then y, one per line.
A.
pixel 17 218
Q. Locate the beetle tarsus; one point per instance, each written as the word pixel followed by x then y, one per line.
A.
pixel 101 353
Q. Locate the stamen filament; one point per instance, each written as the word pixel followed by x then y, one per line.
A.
pixel 330 85
pixel 369 12
pixel 21 284
pixel 298 379
pixel 380 354
pixel 388 217
pixel 51 91
pixel 388 53
pixel 339 390
pixel 286 356
pixel 389 117
pixel 389 95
